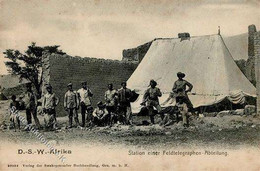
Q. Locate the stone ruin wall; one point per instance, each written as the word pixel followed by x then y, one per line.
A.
pixel 248 66
pixel 257 69
pixel 136 54
pixel 60 70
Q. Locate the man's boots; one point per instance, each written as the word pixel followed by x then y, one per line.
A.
pixel 70 122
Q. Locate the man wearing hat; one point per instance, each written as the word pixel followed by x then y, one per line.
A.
pixel 124 99
pixel 151 99
pixel 179 88
pixel 50 101
pixel 30 102
pixel 71 104
pixel 85 95
pixel 100 115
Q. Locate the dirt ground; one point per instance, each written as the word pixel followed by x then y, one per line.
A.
pixel 230 131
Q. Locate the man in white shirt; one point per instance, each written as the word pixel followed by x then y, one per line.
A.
pixel 85 95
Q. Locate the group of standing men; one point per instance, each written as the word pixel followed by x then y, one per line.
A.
pixel 116 108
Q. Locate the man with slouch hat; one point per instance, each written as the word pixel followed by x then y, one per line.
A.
pixel 151 99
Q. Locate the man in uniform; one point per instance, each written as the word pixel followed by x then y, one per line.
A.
pixel 179 88
pixel 111 101
pixel 30 102
pixel 50 101
pixel 124 95
pixel 151 99
pixel 71 105
pixel 85 95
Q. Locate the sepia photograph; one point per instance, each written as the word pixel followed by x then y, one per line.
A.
pixel 130 85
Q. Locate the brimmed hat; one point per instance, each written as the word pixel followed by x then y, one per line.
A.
pixel 154 82
pixel 70 84
pixel 180 74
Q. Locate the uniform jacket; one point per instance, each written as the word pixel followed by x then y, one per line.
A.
pixel 71 100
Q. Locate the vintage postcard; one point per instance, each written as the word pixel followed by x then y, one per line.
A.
pixel 130 85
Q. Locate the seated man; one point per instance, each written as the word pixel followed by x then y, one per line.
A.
pixel 101 115
pixel 14 112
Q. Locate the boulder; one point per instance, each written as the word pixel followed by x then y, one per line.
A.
pixel 250 109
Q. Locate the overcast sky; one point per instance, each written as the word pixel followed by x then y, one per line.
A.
pixel 103 29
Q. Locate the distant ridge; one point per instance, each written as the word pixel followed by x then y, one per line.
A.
pixel 9 81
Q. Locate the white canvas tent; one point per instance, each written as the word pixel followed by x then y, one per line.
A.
pixel 205 60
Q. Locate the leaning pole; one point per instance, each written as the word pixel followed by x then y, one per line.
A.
pixel 257 68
